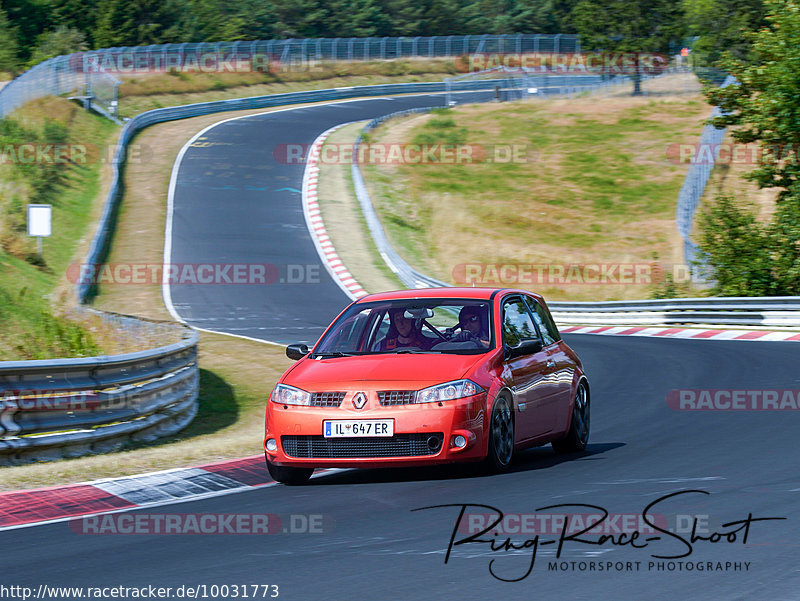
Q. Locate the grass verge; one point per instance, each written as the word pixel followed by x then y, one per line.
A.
pixel 344 220
pixel 149 91
pixel 33 288
pixel 594 184
pixel 236 375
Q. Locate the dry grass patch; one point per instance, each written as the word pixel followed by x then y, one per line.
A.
pixel 345 223
pixel 236 376
pixel 727 178
pixel 596 186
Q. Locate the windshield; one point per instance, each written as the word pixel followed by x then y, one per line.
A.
pixel 410 326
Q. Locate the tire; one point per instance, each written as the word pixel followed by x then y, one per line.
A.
pixel 501 437
pixel 289 475
pixel 578 435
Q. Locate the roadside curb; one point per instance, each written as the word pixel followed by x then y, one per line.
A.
pixel 687 333
pixel 22 508
pixel 316 227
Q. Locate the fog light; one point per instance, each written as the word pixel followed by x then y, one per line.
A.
pixel 459 441
pixel 272 445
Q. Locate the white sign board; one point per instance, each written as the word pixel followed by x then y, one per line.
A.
pixel 39 220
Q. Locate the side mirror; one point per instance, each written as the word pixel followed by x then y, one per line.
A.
pixel 296 351
pixel 528 346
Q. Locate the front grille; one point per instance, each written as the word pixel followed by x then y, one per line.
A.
pixel 399 445
pixel 396 397
pixel 327 399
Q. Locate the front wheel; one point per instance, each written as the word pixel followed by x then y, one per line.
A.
pixel 578 434
pixel 501 437
pixel 289 475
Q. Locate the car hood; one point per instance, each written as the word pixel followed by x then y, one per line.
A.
pixel 418 369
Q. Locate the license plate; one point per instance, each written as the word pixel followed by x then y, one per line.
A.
pixel 346 428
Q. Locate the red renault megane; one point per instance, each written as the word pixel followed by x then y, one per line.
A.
pixel 419 377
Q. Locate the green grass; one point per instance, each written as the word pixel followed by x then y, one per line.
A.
pixel 28 327
pixel 141 93
pixel 594 175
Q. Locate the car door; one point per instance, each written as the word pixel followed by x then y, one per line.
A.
pixel 530 388
pixel 559 368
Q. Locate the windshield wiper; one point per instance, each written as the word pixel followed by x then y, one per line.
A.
pixel 332 354
pixel 411 350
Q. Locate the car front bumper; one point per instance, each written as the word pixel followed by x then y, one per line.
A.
pixel 424 434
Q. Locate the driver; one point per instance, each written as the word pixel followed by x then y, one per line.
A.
pixel 404 332
pixel 474 327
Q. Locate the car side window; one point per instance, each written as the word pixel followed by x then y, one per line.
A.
pixel 517 322
pixel 381 328
pixel 546 325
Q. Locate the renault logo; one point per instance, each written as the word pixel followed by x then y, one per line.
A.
pixel 359 400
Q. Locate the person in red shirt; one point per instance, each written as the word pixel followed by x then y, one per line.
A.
pixel 404 332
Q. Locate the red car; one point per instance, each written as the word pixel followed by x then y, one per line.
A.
pixel 420 377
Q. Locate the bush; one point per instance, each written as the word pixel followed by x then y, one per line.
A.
pixel 752 258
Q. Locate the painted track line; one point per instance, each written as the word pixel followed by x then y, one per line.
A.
pixel 685 333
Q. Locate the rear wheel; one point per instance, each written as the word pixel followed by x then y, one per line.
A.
pixel 578 434
pixel 289 475
pixel 501 436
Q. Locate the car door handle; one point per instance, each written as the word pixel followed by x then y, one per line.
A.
pixel 550 363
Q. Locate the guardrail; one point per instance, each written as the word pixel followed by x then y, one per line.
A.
pixel 98 248
pixel 137 396
pixel 738 311
pixel 51 409
pixel 411 278
pixel 778 311
pixel 694 184
pixel 87 71
pixel 68 407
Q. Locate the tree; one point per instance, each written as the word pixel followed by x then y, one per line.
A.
pixel 722 25
pixel 75 14
pixel 737 248
pixel 27 19
pixel 63 40
pixel 629 26
pixel 8 46
pixel 763 107
pixel 356 18
pixel 300 18
pixel 142 22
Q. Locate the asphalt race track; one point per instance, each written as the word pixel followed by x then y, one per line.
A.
pixel 373 545
pixel 237 202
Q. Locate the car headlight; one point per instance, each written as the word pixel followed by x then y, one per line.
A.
pixel 289 395
pixel 449 391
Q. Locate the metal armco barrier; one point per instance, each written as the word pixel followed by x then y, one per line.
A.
pixel 775 311
pixel 741 311
pixel 411 278
pixel 99 244
pixel 69 407
pixel 68 74
pixel 695 183
pixel 52 409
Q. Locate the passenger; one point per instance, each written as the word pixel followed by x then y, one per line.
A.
pixel 404 332
pixel 474 326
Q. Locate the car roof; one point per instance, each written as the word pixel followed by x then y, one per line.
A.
pixel 448 292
